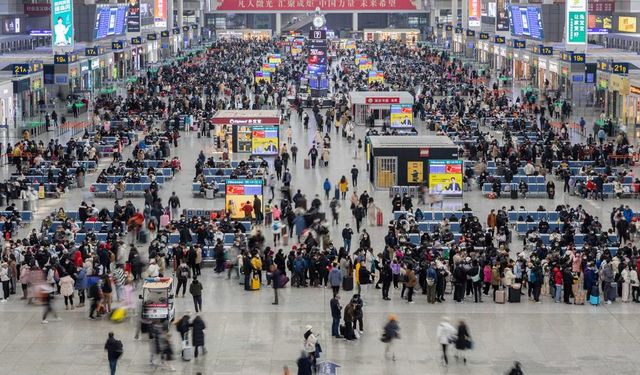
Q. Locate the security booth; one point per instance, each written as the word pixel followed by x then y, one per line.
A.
pixel 379 104
pixel 412 161
pixel 253 132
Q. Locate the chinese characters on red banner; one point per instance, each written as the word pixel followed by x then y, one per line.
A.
pixel 305 5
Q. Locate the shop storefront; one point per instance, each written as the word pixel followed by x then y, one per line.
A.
pixel 553 75
pixel 521 65
pixel 408 36
pixel 458 41
pixel 27 92
pixel 245 34
pixel 254 132
pixel 617 92
pixel 377 103
pixel 6 104
pixel 632 114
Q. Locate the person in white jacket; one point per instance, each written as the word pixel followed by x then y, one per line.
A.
pixel 626 283
pixel 509 277
pixel 634 283
pixel 310 341
pixel 446 335
pixel 5 279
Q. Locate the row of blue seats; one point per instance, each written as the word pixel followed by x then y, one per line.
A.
pixel 25 216
pixel 535 215
pixel 434 226
pixel 225 171
pixel 40 171
pixel 518 178
pixel 89 226
pixel 143 179
pixel 414 238
pixel 174 238
pixel 166 172
pixel 522 226
pixel 554 163
pixel 533 189
pixel 578 239
pixel 625 179
pixel 628 189
pixel 130 187
pixel 435 215
pixel 88 165
pixel 74 215
pixel 195 188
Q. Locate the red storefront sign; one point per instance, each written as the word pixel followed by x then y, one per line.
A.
pixel 310 5
pixel 606 7
pixel 245 121
pixel 382 100
pixel 37 9
pixel 424 152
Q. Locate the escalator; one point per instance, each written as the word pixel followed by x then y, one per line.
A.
pixel 304 21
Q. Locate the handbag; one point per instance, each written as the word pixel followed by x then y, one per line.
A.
pixel 318 350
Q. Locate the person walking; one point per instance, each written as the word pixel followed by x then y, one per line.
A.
pixel 114 350
pixel 335 278
pixel 174 204
pixel 386 276
pixel 276 275
pixel 327 188
pixel 197 335
pixel 343 185
pixel 347 234
pixel 390 332
pixel 183 273
pixel 412 280
pixel 195 289
pixel 336 313
pixel 354 176
pixel 445 334
pixel 463 341
pixel 304 364
pixel 66 289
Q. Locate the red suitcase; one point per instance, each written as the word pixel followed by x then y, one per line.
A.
pixel 307 163
pixel 379 217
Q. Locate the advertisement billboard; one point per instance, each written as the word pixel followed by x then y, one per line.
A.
pixel 62 23
pixel 110 21
pixel 474 13
pixel 598 24
pixel 445 177
pixel 264 140
pixel 133 16
pixel 239 195
pixel 376 76
pixel 502 15
pixel 526 21
pixel 401 116
pixel 311 5
pixel 262 76
pixel 627 24
pixel 415 174
pixel 160 13
pixel 576 21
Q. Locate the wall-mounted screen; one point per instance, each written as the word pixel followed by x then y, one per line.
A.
pixel 401 116
pixel 264 140
pixel 597 24
pixel 239 197
pixel 445 177
pixel 110 21
pixel 526 21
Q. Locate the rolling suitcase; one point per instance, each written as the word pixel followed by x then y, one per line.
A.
pixel 142 237
pixel 187 349
pixel 307 164
pixel 514 293
pixel 379 218
pixel 208 193
pixel 500 296
pixel 341 330
pixel 611 292
pixel 347 284
pixel 580 297
pixel 285 239
pixel 164 220
pixel 514 193
pixel 594 299
pixel 255 283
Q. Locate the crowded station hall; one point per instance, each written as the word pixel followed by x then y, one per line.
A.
pixel 319 187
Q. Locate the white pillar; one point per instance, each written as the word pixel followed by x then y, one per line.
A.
pixel 170 15
pixel 180 14
pixel 465 14
pixel 354 22
pixel 278 23
pixel 454 13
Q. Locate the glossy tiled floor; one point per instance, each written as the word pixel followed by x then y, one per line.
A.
pixel 247 335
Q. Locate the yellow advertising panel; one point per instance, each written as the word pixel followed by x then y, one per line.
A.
pixel 627 24
pixel 415 172
pixel 445 177
pixel 264 140
pixel 376 76
pixel 263 77
pixel 401 116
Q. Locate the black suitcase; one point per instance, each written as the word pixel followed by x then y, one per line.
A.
pixel 514 193
pixel 514 293
pixel 341 330
pixel 208 133
pixel 612 292
pixel 142 237
pixel 347 284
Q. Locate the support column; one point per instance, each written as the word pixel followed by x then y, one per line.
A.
pixel 180 14
pixel 465 14
pixel 170 15
pixel 278 23
pixel 454 13
pixel 354 22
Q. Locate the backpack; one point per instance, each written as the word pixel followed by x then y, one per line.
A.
pixel 118 348
pixel 184 273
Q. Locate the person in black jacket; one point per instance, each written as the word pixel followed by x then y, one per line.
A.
pixel 336 314
pixel 114 350
pixel 463 341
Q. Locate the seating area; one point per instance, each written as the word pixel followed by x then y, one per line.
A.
pixel 535 215
pixel 578 239
pixel 26 216
pixel 435 215
pixel 534 189
pixel 74 215
pixel 88 165
pixel 143 179
pixel 88 226
pixel 224 171
pixel 131 189
pixel 195 189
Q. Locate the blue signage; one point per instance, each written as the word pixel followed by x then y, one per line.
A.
pixel 526 21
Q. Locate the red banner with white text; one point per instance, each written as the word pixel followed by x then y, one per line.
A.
pixel 310 5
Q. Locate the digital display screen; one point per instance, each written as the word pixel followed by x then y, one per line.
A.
pixel 401 116
pixel 110 21
pixel 314 69
pixel 264 140
pixel 445 177
pixel 239 194
pixel 526 21
pixel 263 77
pixel 376 76
pixel 599 24
pixel 627 24
pixel 319 82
